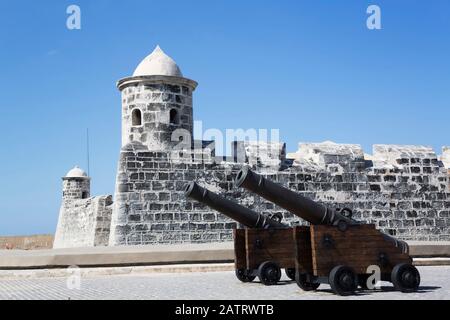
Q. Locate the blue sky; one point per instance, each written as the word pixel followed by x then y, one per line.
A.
pixel 310 68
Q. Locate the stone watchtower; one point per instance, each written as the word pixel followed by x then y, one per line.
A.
pixel 156 101
pixel 84 221
pixel 76 185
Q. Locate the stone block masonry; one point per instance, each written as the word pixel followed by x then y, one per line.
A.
pixel 446 158
pixel 76 188
pixel 161 107
pixel 84 223
pixel 404 190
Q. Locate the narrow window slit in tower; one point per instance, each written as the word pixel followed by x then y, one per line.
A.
pixel 136 117
pixel 174 119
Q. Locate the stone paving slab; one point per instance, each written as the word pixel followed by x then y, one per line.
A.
pixel 102 271
pixel 136 270
pixel 155 255
pixel 200 285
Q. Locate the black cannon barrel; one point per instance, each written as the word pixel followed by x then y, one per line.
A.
pixel 302 207
pixel 243 215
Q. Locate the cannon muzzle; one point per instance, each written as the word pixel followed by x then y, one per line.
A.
pixel 243 215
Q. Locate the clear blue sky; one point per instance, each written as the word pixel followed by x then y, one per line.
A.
pixel 310 68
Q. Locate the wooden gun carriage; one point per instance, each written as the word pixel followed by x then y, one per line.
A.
pixel 345 259
pixel 335 249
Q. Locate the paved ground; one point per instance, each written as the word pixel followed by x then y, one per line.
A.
pixel 210 285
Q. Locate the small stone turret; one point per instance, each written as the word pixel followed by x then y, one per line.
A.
pixel 156 101
pixel 76 185
pixel 84 221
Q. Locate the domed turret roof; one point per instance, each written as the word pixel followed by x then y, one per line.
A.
pixel 158 63
pixel 76 172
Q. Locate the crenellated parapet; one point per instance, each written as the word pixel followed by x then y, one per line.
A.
pixel 445 158
pixel 329 156
pixel 260 153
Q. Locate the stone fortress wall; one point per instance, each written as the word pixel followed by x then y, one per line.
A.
pixel 84 223
pixel 404 190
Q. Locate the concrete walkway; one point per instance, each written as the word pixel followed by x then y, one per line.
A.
pixel 220 285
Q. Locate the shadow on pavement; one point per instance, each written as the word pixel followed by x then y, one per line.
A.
pixel 422 289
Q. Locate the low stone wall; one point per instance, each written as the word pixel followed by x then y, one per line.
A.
pixel 34 242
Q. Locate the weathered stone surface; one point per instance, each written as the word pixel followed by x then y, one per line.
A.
pixel 399 156
pixel 445 158
pixel 152 112
pixel 260 153
pixel 76 188
pixel 410 204
pixel 84 223
pixel 328 155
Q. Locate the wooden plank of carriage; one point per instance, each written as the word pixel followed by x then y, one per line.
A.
pixel 239 249
pixel 275 245
pixel 358 247
pixel 303 254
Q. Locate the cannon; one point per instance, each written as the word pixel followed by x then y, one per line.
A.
pixel 260 247
pixel 302 207
pixel 336 249
pixel 241 214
